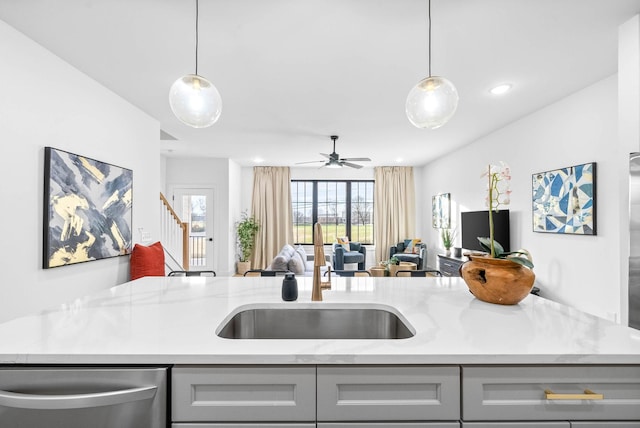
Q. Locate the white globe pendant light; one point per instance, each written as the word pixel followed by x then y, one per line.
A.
pixel 434 100
pixel 193 99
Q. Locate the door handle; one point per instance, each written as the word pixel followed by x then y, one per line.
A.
pixel 75 401
pixel 210 239
pixel 588 395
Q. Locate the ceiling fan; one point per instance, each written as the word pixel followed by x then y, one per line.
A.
pixel 334 160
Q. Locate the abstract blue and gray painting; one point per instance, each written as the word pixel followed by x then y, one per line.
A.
pixel 88 216
pixel 564 200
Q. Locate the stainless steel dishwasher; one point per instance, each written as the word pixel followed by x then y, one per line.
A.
pixel 80 397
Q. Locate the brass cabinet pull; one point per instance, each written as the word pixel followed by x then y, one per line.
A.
pixel 588 395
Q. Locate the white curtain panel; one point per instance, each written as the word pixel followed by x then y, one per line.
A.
pixel 395 207
pixel 271 207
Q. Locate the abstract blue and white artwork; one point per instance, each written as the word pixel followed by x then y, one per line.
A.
pixel 564 200
pixel 441 211
pixel 87 209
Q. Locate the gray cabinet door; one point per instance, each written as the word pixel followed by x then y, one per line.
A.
pixel 605 424
pixel 516 425
pixel 244 393
pixel 389 425
pixel 256 425
pixel 388 393
pixel 519 393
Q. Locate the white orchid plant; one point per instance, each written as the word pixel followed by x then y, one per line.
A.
pixel 499 194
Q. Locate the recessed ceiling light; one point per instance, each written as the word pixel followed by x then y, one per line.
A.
pixel 501 89
pixel 258 160
pixel 399 160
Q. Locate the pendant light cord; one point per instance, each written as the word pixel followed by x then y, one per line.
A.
pixel 429 22
pixel 197 37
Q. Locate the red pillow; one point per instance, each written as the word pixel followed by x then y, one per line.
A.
pixel 147 261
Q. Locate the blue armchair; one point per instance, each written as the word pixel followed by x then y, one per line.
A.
pixel 419 258
pixel 357 254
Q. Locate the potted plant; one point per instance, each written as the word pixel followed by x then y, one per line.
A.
pixel 246 230
pixel 386 264
pixel 498 276
pixel 447 236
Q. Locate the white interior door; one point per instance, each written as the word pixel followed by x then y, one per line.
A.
pixel 195 207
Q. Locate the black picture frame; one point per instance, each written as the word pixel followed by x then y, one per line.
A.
pixel 564 200
pixel 87 209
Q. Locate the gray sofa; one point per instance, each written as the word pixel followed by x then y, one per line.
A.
pixel 295 260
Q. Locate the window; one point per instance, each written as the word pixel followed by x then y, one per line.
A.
pixel 343 208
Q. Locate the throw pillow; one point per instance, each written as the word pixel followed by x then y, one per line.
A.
pixel 345 243
pixel 411 246
pixel 281 261
pixel 147 261
pixel 296 264
pixel 303 254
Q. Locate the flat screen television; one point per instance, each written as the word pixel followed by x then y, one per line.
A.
pixel 476 223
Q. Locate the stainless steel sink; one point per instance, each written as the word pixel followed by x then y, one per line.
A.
pixel 322 321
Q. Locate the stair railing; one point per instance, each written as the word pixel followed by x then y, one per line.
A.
pixel 174 233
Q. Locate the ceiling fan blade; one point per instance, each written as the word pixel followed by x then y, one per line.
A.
pixel 301 163
pixel 351 165
pixel 356 159
pixel 326 155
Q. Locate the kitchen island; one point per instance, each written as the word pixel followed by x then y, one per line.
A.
pixel 174 320
pixel 468 362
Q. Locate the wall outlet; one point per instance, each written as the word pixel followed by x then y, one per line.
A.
pixel 146 237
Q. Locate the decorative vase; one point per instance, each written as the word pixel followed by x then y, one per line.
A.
pixel 401 266
pixel 242 267
pixel 498 281
pixel 393 269
pixel 377 271
pixel 447 252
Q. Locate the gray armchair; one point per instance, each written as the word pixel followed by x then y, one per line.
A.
pixel 419 258
pixel 357 254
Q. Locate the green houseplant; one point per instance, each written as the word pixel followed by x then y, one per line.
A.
pixel 246 230
pixel 447 236
pixel 386 264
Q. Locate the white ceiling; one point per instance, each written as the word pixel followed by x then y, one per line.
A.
pixel 293 72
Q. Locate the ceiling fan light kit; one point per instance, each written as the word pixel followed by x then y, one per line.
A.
pixel 193 99
pixel 332 164
pixel 434 100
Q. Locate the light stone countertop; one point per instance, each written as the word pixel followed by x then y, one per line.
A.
pixel 173 320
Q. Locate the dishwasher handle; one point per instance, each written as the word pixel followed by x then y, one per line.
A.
pixel 75 401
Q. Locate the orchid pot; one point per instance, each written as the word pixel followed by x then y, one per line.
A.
pixel 498 276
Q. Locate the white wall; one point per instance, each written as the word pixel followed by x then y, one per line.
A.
pixel 580 271
pixel 235 211
pixel 46 102
pixel 207 173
